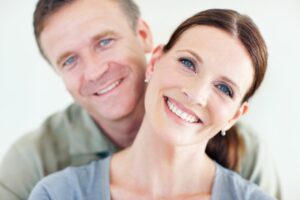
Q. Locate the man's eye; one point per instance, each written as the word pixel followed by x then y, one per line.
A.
pixel 69 61
pixel 105 42
pixel 225 89
pixel 187 63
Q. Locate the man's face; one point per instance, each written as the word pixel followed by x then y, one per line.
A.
pixel 99 56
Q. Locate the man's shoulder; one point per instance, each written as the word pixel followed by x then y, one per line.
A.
pixel 47 143
pixel 65 138
pixel 36 154
pixel 249 135
pixel 252 144
pixel 256 163
pixel 51 132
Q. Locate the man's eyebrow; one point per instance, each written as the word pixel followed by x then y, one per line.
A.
pixel 62 57
pixel 198 57
pixel 104 34
pixel 93 39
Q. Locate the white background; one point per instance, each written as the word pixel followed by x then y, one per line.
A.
pixel 30 90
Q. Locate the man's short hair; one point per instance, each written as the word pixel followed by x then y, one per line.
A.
pixel 46 8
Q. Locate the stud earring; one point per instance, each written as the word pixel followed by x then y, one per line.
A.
pixel 223 133
pixel 147 79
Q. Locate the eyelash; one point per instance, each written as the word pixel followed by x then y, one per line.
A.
pixel 225 89
pixel 188 63
pixel 71 59
pixel 106 41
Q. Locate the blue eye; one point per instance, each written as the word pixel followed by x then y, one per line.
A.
pixel 105 42
pixel 225 89
pixel 188 64
pixel 69 61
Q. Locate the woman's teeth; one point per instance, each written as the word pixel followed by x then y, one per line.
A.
pixel 109 88
pixel 183 115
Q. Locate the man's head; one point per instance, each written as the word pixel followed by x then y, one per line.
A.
pixel 98 48
pixel 46 8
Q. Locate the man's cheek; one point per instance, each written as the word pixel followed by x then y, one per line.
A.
pixel 72 87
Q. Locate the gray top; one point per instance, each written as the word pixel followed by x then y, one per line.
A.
pixel 91 182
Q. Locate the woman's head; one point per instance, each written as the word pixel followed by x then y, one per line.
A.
pixel 201 80
pixel 239 26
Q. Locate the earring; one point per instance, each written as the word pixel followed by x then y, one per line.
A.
pixel 223 133
pixel 147 79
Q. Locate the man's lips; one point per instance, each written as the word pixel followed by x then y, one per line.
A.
pixel 106 81
pixel 109 87
pixel 182 112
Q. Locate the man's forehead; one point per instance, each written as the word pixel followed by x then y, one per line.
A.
pixel 77 23
pixel 85 11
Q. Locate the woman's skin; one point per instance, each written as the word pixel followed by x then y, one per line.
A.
pixel 194 91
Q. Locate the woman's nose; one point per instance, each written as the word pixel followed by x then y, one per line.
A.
pixel 197 93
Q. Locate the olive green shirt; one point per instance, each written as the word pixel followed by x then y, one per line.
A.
pixel 72 138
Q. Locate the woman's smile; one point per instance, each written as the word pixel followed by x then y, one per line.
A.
pixel 180 111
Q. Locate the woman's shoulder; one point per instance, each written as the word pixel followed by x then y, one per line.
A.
pixel 230 185
pixel 74 182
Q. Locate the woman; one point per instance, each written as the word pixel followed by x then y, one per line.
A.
pixel 199 85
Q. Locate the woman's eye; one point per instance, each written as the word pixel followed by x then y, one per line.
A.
pixel 69 61
pixel 225 89
pixel 105 42
pixel 187 63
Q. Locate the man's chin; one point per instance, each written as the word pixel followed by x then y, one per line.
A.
pixel 111 114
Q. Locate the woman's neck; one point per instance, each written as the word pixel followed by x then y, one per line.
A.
pixel 158 169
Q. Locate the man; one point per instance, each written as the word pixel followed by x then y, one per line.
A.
pixel 98 48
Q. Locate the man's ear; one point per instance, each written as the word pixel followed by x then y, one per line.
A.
pixel 156 54
pixel 144 34
pixel 239 113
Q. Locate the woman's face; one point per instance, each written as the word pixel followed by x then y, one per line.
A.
pixel 196 88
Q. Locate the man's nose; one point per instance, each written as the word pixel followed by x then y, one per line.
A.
pixel 94 67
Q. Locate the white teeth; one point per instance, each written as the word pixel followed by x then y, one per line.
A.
pixel 109 88
pixel 183 115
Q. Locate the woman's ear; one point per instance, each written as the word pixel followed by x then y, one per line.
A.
pixel 156 54
pixel 239 113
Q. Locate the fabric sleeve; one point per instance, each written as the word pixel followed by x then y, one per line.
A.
pixel 57 186
pixel 20 170
pixel 257 164
pixel 40 193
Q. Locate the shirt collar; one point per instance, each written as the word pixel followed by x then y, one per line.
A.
pixel 84 135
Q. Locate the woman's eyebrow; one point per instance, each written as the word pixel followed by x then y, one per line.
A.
pixel 198 57
pixel 232 83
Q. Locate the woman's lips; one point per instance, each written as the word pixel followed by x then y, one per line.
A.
pixel 182 112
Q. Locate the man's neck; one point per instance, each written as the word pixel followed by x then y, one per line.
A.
pixel 122 132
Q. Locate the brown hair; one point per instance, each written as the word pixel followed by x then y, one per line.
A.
pixel 46 8
pixel 225 150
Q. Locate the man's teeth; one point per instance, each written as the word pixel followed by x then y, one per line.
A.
pixel 183 115
pixel 109 88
